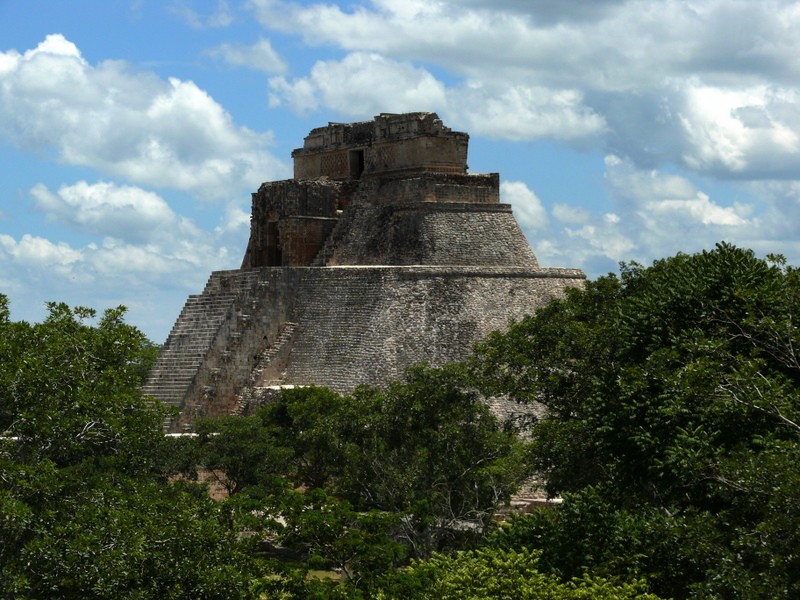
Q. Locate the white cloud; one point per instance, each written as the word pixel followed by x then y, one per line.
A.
pixel 360 86
pixel 603 240
pixel 235 221
pixel 655 214
pixel 528 209
pixel 260 56
pixel 571 215
pixel 630 182
pixel 712 86
pixel 754 129
pixel 134 249
pixel 668 201
pixel 39 253
pixel 610 45
pixel 665 212
pixel 105 209
pixel 520 112
pixel 120 261
pixel 138 236
pixel 699 209
pixel 128 124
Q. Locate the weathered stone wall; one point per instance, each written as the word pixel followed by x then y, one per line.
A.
pixel 290 221
pixel 436 154
pixel 443 154
pixel 300 239
pixel 262 302
pixel 433 234
pixel 438 187
pixel 370 324
pixel 388 144
pixel 339 327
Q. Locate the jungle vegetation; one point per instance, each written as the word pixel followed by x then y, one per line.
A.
pixel 668 424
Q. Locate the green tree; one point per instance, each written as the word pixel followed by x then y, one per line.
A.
pixel 672 393
pixel 69 390
pixel 426 447
pixel 242 453
pixel 85 508
pixel 332 535
pixel 313 422
pixel 489 574
pixel 127 538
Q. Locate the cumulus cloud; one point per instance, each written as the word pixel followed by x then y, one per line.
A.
pixel 135 250
pixel 608 45
pixel 546 11
pixel 754 130
pixel 99 275
pixel 661 197
pixel 137 237
pixel 602 239
pixel 571 215
pixel 711 86
pixel 106 209
pixel 360 86
pixel 39 253
pixel 127 124
pixel 519 112
pixel 528 209
pixel 653 214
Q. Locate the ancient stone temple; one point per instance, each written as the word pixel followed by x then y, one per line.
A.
pixel 381 252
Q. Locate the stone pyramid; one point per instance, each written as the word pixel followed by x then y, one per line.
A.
pixel 381 252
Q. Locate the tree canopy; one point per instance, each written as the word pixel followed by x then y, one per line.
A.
pixel 667 420
pixel 670 422
pixel 85 511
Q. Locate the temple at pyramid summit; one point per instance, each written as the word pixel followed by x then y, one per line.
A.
pixel 382 251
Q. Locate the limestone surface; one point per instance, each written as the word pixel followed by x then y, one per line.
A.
pixel 381 252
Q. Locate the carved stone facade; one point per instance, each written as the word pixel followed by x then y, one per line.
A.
pixel 381 252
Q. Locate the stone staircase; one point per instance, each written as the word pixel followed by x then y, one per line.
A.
pixel 192 337
pixel 252 390
pixel 344 225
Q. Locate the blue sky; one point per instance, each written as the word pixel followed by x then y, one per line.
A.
pixel 132 132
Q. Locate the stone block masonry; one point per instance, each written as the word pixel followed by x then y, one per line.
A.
pixel 381 253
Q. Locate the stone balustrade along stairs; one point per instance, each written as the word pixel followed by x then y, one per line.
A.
pixel 254 387
pixel 192 337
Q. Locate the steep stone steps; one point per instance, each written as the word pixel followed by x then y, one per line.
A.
pixel 250 391
pixel 186 346
pixel 344 225
pixel 221 310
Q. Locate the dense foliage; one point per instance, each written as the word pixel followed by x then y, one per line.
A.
pixel 85 511
pixel 425 448
pixel 489 574
pixel 668 423
pixel 671 424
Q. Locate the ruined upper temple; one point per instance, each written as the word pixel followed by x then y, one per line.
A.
pixel 382 251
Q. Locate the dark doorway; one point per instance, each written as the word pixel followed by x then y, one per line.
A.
pixel 356 163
